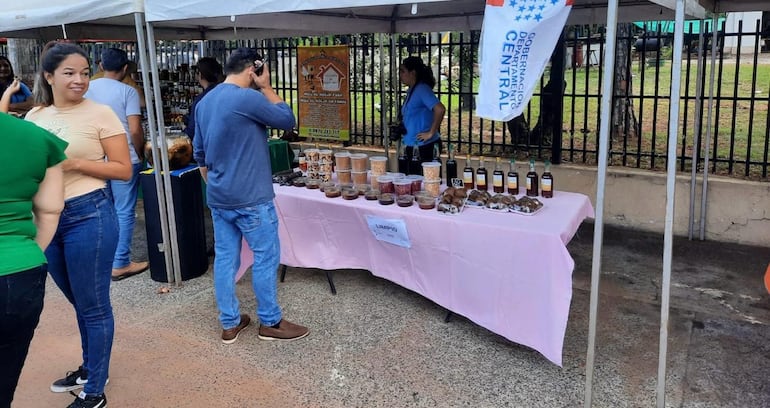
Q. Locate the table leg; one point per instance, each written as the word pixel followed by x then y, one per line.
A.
pixel 283 272
pixel 331 282
pixel 448 316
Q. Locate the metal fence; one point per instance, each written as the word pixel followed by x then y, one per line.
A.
pixel 558 124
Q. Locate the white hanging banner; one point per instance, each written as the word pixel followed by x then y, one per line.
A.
pixel 517 39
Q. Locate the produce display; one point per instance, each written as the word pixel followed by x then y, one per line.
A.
pixel 504 202
pixel 386 188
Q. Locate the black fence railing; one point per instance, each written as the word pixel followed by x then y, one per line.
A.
pixel 559 123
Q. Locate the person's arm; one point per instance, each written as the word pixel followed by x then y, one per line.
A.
pixel 199 155
pixel 137 134
pixel 276 113
pixel 438 116
pixel 47 205
pixel 22 107
pixel 118 166
pixel 5 98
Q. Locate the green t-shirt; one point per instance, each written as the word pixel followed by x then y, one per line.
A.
pixel 26 152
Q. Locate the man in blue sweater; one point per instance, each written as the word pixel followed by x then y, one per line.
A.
pixel 231 148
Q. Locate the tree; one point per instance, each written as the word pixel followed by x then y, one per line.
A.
pixel 624 123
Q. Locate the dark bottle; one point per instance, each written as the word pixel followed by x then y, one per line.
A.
pixel 415 165
pixel 302 160
pixel 451 167
pixel 532 179
pixel 437 158
pixel 403 161
pixel 481 176
pixel 513 179
pixel 547 181
pixel 498 176
pixel 468 174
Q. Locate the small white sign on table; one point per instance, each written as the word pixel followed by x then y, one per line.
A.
pixel 392 231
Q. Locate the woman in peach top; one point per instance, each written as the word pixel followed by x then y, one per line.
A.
pixel 81 252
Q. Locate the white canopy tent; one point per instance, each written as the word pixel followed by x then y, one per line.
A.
pixel 33 18
pixel 197 20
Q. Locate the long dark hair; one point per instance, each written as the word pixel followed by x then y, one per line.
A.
pixel 52 56
pixel 424 73
pixel 3 84
pixel 210 70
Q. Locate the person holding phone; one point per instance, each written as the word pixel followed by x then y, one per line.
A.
pixel 231 148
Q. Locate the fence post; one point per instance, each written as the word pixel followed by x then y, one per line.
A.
pixel 557 77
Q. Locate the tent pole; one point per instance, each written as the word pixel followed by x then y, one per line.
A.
pixel 668 236
pixel 395 86
pixel 385 138
pixel 163 166
pixel 696 133
pixel 601 181
pixel 707 144
pixel 152 127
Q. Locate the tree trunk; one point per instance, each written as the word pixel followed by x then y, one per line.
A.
pixel 468 60
pixel 624 123
pixel 24 58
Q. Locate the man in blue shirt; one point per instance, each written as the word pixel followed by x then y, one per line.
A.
pixel 231 148
pixel 124 101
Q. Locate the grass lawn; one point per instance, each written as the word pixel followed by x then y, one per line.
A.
pixel 741 120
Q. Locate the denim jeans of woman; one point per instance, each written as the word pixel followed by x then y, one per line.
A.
pixel 124 194
pixel 259 226
pixel 80 262
pixel 21 301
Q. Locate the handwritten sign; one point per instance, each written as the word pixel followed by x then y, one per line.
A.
pixel 324 96
pixel 392 231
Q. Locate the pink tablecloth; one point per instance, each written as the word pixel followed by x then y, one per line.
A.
pixel 509 273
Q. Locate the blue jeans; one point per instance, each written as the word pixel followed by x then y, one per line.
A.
pixel 80 262
pixel 21 301
pixel 124 194
pixel 259 226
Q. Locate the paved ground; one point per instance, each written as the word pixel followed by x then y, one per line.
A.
pixel 376 344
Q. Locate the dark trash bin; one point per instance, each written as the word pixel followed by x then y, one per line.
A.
pixel 191 232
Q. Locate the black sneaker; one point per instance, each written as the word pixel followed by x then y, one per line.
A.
pixel 72 381
pixel 89 401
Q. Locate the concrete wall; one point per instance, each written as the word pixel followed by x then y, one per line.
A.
pixel 736 210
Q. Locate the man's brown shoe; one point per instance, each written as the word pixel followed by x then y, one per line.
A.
pixel 229 336
pixel 284 330
pixel 133 268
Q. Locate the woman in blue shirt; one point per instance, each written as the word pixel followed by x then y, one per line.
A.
pixel 21 101
pixel 422 112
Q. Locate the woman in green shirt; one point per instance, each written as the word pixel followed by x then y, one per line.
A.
pixel 31 199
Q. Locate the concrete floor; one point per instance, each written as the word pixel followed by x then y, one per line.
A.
pixel 376 344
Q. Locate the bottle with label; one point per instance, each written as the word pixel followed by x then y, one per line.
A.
pixel 481 176
pixel 513 179
pixel 415 165
pixel 302 160
pixel 403 162
pixel 451 167
pixel 468 174
pixel 437 158
pixel 547 181
pixel 532 180
pixel 498 178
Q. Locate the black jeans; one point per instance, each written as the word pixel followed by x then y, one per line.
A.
pixel 426 155
pixel 21 301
